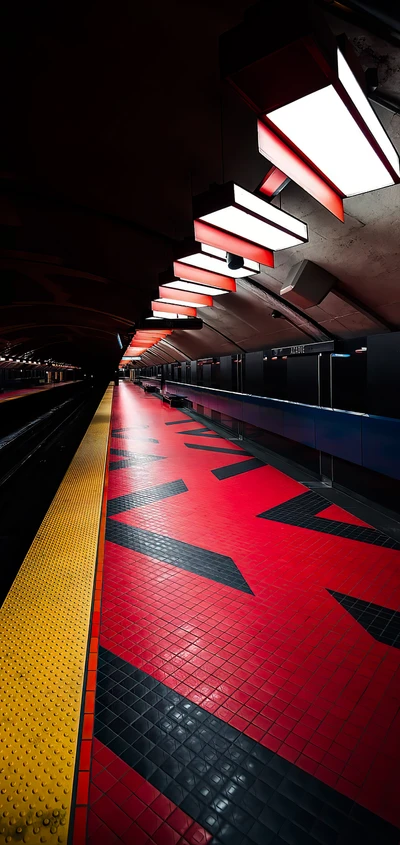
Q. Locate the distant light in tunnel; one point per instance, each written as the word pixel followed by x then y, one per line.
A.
pixel 233 210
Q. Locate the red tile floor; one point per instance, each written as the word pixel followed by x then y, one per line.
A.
pixel 295 682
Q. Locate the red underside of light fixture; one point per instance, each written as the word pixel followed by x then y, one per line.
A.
pixel 283 157
pixel 273 182
pixel 185 297
pixel 204 277
pixel 144 340
pixel 184 310
pixel 210 235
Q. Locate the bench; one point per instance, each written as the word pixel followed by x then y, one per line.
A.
pixel 174 400
pixel 149 388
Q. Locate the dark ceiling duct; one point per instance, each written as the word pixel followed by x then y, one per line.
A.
pixel 307 284
pixel 372 17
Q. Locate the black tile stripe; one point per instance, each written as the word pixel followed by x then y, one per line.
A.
pixel 239 452
pixel 302 511
pixel 381 622
pixel 193 559
pixel 117 431
pixel 125 453
pixel 239 791
pixel 200 432
pixel 135 460
pixel 145 497
pixel 237 469
pixel 128 462
pixel 134 435
pixel 180 422
pixel 131 459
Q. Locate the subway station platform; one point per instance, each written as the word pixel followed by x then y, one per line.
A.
pixel 198 649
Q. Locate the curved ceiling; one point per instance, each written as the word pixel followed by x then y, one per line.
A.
pixel 113 122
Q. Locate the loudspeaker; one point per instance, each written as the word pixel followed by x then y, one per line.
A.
pixel 307 284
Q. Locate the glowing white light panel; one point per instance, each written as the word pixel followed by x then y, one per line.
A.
pixel 321 126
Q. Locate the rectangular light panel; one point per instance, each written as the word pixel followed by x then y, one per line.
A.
pixel 274 149
pixel 226 241
pixel 197 300
pixel 324 130
pixel 218 264
pixel 200 276
pixel 256 220
pixel 161 315
pixel 181 284
pixel 166 309
pixel 221 253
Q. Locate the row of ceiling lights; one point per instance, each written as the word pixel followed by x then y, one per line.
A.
pixel 316 126
pixel 234 232
pixel 12 360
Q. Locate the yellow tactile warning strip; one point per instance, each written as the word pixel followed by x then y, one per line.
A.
pixel 44 625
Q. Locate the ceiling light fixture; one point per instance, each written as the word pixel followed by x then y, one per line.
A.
pixel 197 280
pixel 316 122
pixel 174 297
pixel 216 260
pixel 229 208
pixel 172 315
pixel 200 276
pixel 182 285
pixel 273 183
pixel 165 308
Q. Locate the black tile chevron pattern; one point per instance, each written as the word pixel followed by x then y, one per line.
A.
pixel 237 469
pixel 199 432
pixel 381 622
pixel 117 431
pixel 216 567
pixel 180 422
pixel 239 791
pixel 303 511
pixel 239 452
pixel 131 459
pixel 145 497
pixel 126 435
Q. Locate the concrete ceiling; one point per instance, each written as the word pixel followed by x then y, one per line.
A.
pixel 114 120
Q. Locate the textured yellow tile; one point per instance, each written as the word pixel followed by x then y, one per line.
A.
pixel 44 626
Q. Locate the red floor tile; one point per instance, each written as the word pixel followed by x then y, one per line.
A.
pixel 287 666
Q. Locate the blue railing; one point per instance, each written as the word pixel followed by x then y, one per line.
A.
pixel 369 441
